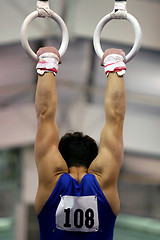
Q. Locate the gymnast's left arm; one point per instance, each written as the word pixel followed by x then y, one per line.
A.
pixel 49 161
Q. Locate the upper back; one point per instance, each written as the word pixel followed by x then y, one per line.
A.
pixel 70 187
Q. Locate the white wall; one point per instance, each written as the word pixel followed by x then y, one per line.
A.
pixel 141 128
pixel 13 14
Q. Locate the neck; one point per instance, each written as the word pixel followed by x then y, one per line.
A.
pixel 78 172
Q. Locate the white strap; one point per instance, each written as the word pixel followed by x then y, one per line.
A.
pixel 121 5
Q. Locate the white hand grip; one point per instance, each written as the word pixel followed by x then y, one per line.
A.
pixel 24 33
pixel 104 21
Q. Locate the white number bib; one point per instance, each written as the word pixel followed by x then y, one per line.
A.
pixel 78 214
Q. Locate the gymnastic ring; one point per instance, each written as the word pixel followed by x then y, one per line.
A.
pixel 24 35
pixel 118 15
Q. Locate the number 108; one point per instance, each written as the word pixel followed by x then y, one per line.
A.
pixel 78 218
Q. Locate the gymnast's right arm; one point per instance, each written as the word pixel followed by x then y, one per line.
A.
pixel 49 161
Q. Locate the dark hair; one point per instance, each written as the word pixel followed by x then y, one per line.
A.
pixel 78 149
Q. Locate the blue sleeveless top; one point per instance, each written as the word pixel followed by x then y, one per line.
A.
pixel 67 185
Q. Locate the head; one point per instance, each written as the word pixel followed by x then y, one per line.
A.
pixel 78 149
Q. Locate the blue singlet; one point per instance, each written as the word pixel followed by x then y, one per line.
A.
pixel 69 186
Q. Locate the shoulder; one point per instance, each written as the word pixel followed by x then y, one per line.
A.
pixel 107 165
pixel 52 191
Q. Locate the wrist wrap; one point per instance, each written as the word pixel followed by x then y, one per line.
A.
pixel 114 63
pixel 48 62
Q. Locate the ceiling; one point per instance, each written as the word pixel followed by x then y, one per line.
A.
pixel 146 12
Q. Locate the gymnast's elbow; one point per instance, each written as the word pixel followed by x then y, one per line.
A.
pixel 45 111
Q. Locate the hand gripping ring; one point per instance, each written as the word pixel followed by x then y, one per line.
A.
pixel 24 36
pixel 118 15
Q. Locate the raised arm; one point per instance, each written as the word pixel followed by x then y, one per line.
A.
pixel 50 163
pixel 111 140
pixel 108 163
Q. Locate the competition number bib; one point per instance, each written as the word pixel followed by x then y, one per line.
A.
pixel 78 214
